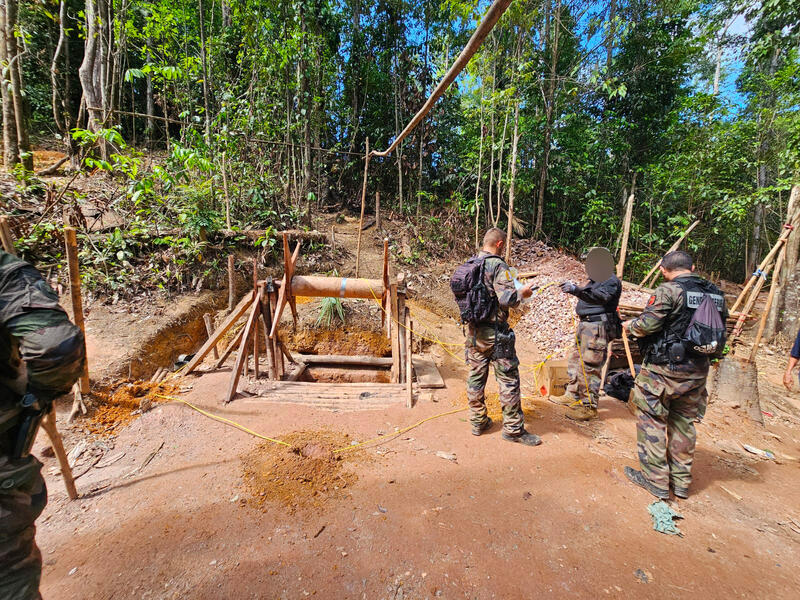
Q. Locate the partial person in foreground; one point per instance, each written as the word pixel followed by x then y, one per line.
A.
pixel 41 356
pixel 794 357
pixel 681 328
pixel 598 325
pixel 485 291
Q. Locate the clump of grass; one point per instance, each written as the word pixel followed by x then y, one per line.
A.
pixel 330 309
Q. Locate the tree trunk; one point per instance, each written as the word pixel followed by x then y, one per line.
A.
pixel 10 145
pixel 612 14
pixel 478 181
pixel 58 105
pixel 204 64
pixel 151 104
pixel 88 68
pixel 780 318
pixel 554 33
pixel 399 154
pixel 720 47
pixel 14 54
pixel 512 186
pixel 500 172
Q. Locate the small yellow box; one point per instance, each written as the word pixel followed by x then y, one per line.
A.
pixel 553 378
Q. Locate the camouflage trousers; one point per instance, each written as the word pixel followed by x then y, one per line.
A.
pixel 666 409
pixel 585 365
pixel 22 498
pixel 479 351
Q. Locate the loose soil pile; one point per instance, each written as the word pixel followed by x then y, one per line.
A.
pixel 306 475
pixel 549 318
pixel 119 406
pixel 338 341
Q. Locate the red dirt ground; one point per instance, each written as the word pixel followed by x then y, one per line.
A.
pixel 172 518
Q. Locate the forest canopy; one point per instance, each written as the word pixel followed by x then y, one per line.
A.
pixel 569 107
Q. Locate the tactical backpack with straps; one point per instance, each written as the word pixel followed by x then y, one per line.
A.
pixel 699 331
pixel 476 302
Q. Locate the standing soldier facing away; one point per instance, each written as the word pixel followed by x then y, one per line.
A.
pixel 670 390
pixel 485 291
pixel 41 356
pixel 598 324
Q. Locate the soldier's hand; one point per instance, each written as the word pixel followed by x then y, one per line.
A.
pixel 787 379
pixel 568 287
pixel 527 290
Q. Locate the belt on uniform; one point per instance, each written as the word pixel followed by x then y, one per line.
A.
pixel 598 318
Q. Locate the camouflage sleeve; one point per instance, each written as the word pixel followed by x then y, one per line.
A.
pixel 503 285
pixel 658 308
pixel 51 347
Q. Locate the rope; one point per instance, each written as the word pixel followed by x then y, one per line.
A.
pixel 282 443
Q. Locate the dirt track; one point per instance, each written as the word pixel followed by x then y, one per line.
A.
pixel 501 521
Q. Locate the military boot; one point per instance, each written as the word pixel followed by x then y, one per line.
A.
pixel 524 438
pixel 680 492
pixel 637 477
pixel 563 399
pixel 581 413
pixel 479 429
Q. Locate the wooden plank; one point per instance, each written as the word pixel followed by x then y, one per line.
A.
pixel 308 386
pixel 428 376
pixel 395 376
pixel 408 369
pixel 298 373
pixel 401 317
pixel 342 359
pixel 241 358
pixel 229 321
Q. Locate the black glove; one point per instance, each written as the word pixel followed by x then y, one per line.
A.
pixel 568 287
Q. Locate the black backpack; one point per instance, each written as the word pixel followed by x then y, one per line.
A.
pixel 476 302
pixel 705 334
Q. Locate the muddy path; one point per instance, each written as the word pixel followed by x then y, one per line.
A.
pixel 171 510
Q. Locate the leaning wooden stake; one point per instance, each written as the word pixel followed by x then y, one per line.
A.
pixel 672 248
pixel 241 357
pixel 231 283
pixel 770 299
pixel 210 330
pixel 767 260
pixel 49 425
pixel 409 367
pixel 6 237
pixel 751 302
pixel 626 229
pixel 71 247
pixel 363 201
pixel 628 353
pixel 211 342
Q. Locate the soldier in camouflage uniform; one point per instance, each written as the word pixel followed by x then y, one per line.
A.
pixel 598 324
pixel 670 390
pixel 41 356
pixel 493 342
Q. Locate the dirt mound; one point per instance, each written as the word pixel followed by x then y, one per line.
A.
pixel 306 475
pixel 119 406
pixel 549 319
pixel 338 341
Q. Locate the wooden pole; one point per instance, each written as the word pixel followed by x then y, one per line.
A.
pixel 409 366
pixel 401 319
pixel 6 237
pixel 210 330
pixel 377 209
pixel 496 10
pixel 255 329
pixel 363 201
pixel 395 324
pixel 751 301
pixel 767 260
pixel 71 246
pixel 627 345
pixel 672 248
pixel 231 283
pixel 241 357
pixel 49 426
pixel 770 299
pixel 626 229
pixel 229 321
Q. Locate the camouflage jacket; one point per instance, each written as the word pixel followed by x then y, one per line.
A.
pixel 663 309
pixel 41 351
pixel 498 279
